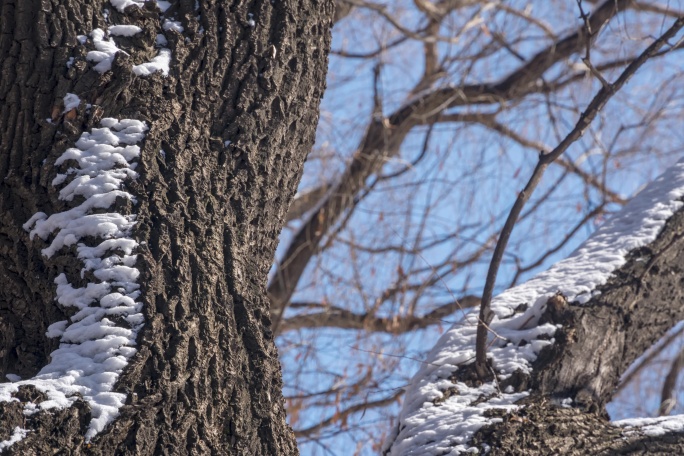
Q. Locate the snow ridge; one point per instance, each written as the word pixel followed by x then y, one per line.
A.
pixel 106 48
pixel 99 339
pixel 441 415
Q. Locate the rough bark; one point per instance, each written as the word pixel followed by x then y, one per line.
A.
pixel 543 430
pixel 206 377
pixel 596 344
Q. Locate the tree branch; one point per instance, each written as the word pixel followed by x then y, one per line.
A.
pixel 336 317
pixel 647 358
pixel 306 201
pixel 599 101
pixel 344 414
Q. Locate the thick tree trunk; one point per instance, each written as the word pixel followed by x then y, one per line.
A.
pixel 229 130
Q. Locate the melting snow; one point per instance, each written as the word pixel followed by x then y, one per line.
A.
pixel 161 40
pixel 653 427
pixel 172 25
pixel 99 339
pixel 426 428
pixel 163 5
pixel 121 5
pixel 106 48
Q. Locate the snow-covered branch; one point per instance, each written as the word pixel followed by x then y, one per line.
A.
pixel 562 339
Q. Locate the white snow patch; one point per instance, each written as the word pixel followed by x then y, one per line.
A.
pixel 34 218
pixel 30 408
pixel 56 329
pixel 121 5
pixel 106 49
pixel 70 62
pixel 104 53
pixel 13 377
pixel 653 427
pixel 161 40
pixel 71 101
pixel 17 435
pixel 447 428
pixel 97 341
pixel 172 25
pixel 160 63
pixel 124 30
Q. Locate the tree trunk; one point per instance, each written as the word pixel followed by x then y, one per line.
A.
pixel 228 130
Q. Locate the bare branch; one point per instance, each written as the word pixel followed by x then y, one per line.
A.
pixel 342 10
pixel 384 138
pixel 594 213
pixel 651 8
pixel 305 202
pixel 647 358
pixel 490 121
pixel 336 317
pixel 343 414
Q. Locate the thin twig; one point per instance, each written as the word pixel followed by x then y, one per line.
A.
pixel 587 55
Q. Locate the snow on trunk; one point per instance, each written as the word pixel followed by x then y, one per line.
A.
pixel 97 341
pixel 441 415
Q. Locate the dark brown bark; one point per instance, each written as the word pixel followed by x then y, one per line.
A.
pixel 596 344
pixel 541 430
pixel 206 378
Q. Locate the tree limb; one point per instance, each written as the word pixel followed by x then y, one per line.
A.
pixel 337 317
pixel 599 101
